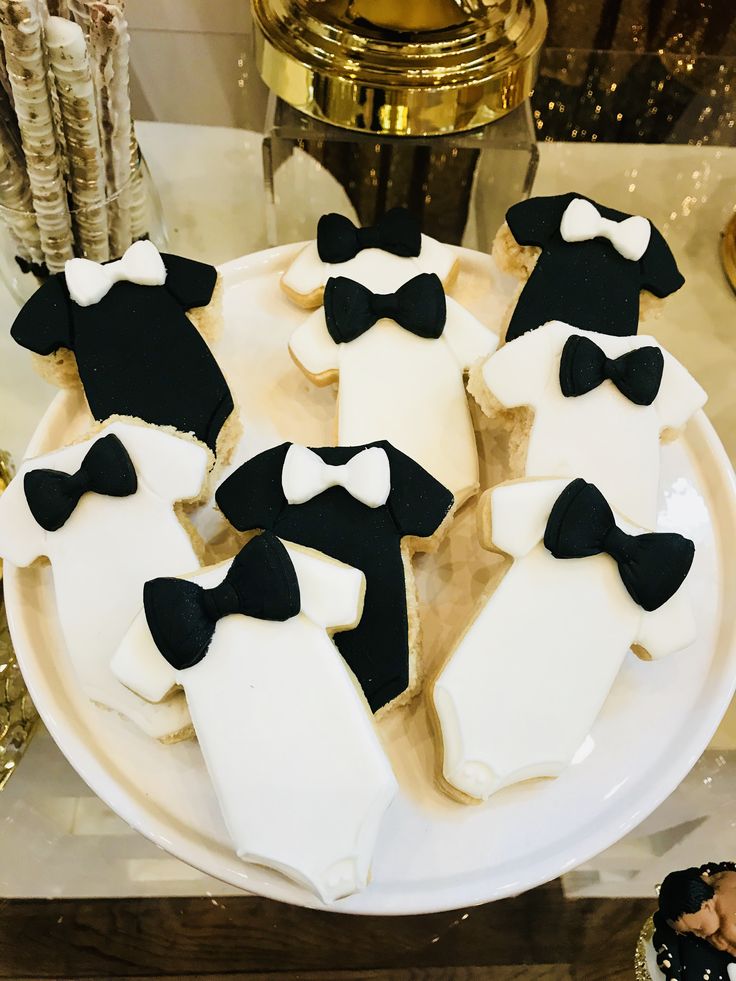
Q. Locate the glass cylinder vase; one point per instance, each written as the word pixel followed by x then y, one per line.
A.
pixel 101 232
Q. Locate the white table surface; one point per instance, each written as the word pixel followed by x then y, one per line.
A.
pixel 57 838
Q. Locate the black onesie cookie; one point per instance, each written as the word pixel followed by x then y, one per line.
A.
pixel 369 506
pixel 593 264
pixel 137 353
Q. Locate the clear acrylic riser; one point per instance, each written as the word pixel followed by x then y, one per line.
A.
pixel 459 185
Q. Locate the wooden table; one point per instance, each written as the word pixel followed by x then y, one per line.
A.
pixel 536 937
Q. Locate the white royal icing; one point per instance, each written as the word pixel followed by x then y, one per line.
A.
pixel 407 389
pixel 381 272
pixel 105 552
pixel 601 436
pixel 581 221
pixel 367 477
pixel 521 691
pixel 89 281
pixel 288 739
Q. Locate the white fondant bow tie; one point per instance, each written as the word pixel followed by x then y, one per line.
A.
pixel 89 281
pixel 582 221
pixel 367 477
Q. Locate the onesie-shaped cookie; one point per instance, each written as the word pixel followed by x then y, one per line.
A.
pixel 400 359
pixel 288 739
pixel 368 506
pixel 593 264
pixel 523 688
pixel 135 351
pixel 600 405
pixel 381 256
pixel 103 512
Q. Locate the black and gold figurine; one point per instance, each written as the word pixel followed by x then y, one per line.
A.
pixel 693 932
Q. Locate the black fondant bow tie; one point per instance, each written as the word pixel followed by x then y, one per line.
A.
pixel 652 566
pixel 351 309
pixel 338 240
pixel 182 616
pixel 584 366
pixel 53 495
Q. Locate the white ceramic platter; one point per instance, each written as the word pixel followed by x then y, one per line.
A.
pixel 432 854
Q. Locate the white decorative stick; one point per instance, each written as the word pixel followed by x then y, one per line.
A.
pixel 8 119
pixel 70 66
pixel 15 191
pixel 4 80
pixel 109 41
pixel 139 195
pixel 15 196
pixel 20 27
pixel 45 11
pixel 122 117
pixel 79 10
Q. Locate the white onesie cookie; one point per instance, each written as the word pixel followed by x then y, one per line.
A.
pixel 287 736
pixel 103 512
pixel 601 405
pixel 400 359
pixel 521 691
pixel 383 256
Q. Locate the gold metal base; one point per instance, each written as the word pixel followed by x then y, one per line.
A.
pixel 421 83
pixel 728 251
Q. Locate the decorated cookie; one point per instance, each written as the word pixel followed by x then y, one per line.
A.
pixel 521 691
pixel 121 331
pixel 400 359
pixel 288 739
pixel 103 512
pixel 381 256
pixel 582 263
pixel 369 506
pixel 599 407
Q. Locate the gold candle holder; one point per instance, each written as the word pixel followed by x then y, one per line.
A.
pixel 377 75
